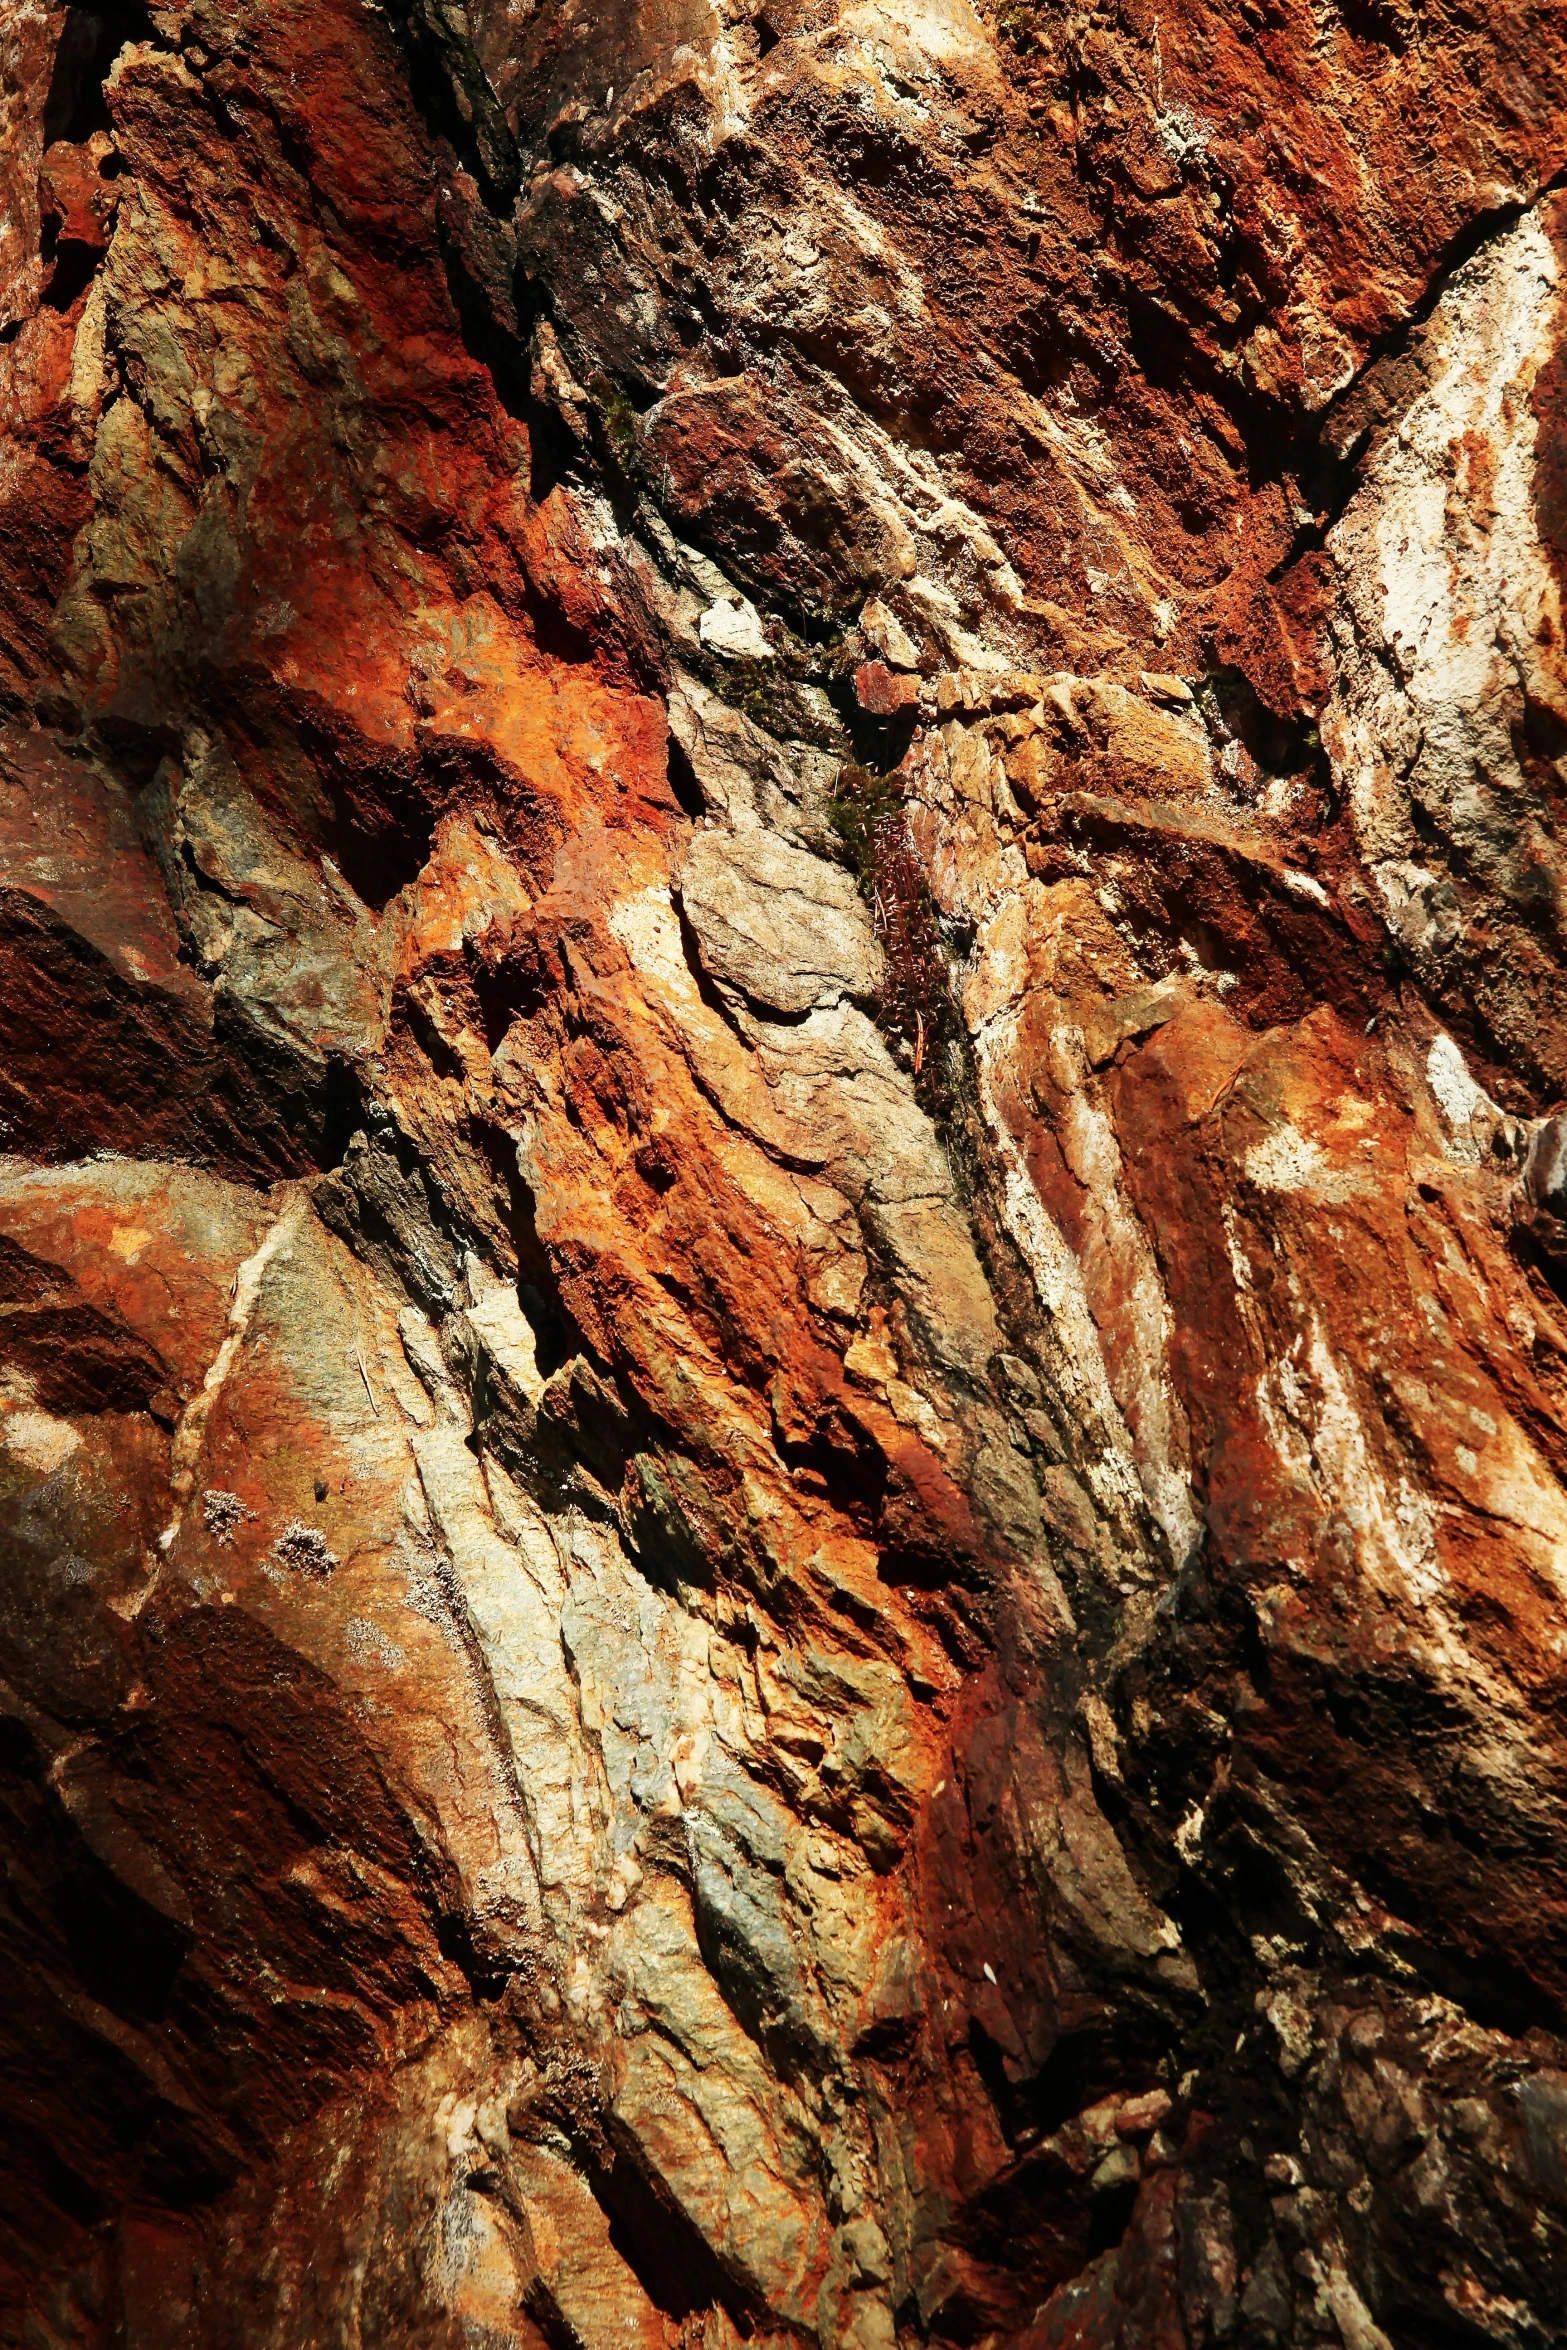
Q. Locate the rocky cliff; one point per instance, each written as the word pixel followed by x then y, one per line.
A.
pixel 783 1365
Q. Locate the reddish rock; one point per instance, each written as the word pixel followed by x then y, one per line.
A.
pixel 880 693
pixel 782 1237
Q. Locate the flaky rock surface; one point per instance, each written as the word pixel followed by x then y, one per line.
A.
pixel 783 1365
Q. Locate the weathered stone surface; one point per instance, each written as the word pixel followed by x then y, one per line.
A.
pixel 782 1229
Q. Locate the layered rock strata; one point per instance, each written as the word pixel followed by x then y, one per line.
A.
pixel 783 1367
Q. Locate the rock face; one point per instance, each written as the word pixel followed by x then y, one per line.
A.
pixel 783 1364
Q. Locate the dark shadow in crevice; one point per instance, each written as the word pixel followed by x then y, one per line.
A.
pixel 1109 2217
pixel 673 2263
pixel 342 1112
pixel 451 89
pixel 850 1476
pixel 477 255
pixel 1497 1992
pixel 379 852
pixel 1121 2053
pixel 701 977
pixel 90 41
pixel 557 1339
pixel 1330 448
pixel 683 783
pixel 1426 2328
pixel 75 266
pixel 880 744
pixel 126 1954
pixel 1277 745
pixel 512 991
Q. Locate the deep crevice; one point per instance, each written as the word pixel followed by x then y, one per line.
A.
pixel 674 2264
pixel 1333 445
pixel 90 40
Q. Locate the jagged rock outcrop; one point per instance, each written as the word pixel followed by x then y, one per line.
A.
pixel 783 1366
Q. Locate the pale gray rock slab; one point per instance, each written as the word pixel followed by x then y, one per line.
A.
pixel 789 930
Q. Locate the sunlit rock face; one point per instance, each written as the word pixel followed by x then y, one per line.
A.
pixel 783 1228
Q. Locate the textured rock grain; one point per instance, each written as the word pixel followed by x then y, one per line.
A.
pixel 783 1367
